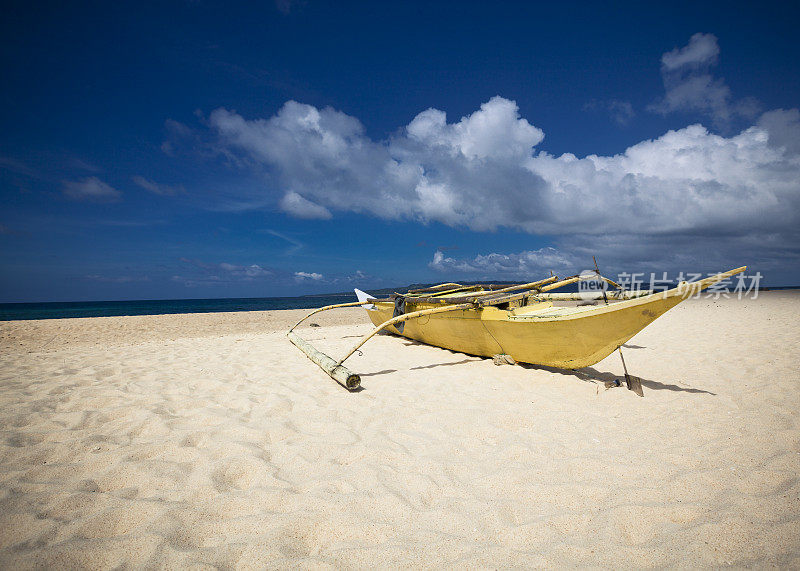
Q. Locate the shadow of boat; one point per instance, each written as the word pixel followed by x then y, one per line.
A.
pixel 590 374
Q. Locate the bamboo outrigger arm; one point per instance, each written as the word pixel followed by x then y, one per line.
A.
pixel 491 297
pixel 352 381
pixel 404 317
pixel 611 282
pixel 532 285
pixel 562 283
pixel 435 288
pixel 342 375
pixel 335 370
pixel 327 307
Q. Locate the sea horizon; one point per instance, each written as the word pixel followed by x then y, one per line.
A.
pixel 19 311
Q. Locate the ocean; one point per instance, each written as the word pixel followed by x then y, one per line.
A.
pixel 62 309
pixel 58 310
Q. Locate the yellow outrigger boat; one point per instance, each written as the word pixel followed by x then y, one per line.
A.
pixel 520 321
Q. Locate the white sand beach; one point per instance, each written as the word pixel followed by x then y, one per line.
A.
pixel 208 440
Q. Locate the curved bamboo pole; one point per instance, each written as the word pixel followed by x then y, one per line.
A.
pixel 611 282
pixel 594 296
pixel 562 283
pixel 433 288
pixel 688 289
pixel 327 307
pixel 413 297
pixel 338 373
pixel 404 317
pixel 530 285
pixel 480 297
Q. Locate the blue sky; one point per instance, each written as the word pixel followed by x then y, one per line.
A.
pixel 197 149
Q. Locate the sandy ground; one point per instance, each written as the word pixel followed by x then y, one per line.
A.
pixel 209 440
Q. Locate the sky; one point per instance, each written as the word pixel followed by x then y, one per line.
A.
pixel 200 149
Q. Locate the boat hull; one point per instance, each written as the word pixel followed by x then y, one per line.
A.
pixel 563 343
pixel 540 334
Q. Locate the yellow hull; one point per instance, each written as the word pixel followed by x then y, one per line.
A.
pixel 541 334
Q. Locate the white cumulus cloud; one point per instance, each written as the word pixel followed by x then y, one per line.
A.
pixel 223 272
pixel 251 271
pixel 463 173
pixel 712 195
pixel 526 263
pixel 701 50
pixel 483 172
pixel 691 86
pixel 495 131
pixel 301 207
pixel 783 129
pixel 688 194
pixel 302 276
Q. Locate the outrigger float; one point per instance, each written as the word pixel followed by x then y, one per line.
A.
pixel 520 321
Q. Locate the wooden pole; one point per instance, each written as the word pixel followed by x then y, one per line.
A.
pixel 576 296
pixel 336 371
pixel 562 283
pixel 531 285
pixel 441 292
pixel 597 270
pixel 478 297
pixel 434 288
pixel 611 282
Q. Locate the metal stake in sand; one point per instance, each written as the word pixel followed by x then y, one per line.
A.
pixel 633 383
